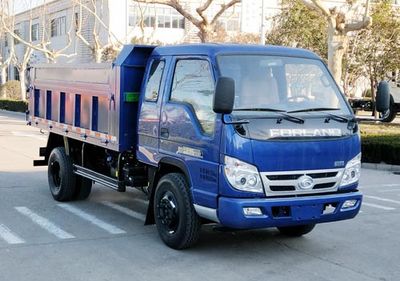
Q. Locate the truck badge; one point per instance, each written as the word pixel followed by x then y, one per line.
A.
pixel 305 182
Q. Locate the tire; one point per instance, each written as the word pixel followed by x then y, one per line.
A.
pixel 296 231
pixel 83 187
pixel 60 175
pixel 176 219
pixel 392 112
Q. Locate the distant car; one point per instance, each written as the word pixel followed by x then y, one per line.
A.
pixel 366 104
pixel 394 108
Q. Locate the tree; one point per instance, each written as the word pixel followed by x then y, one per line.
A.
pixel 378 47
pixel 341 21
pixel 44 43
pixel 25 42
pixel 5 59
pixel 299 27
pixel 207 25
pixel 91 16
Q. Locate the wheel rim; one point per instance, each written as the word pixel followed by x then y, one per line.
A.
pixel 167 212
pixel 55 175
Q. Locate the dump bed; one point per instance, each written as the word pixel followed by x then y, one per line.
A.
pixel 94 103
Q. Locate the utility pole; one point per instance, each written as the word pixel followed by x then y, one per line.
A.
pixel 262 29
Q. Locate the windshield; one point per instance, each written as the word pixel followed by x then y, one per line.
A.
pixel 288 84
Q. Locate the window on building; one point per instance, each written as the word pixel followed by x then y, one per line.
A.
pixel 193 84
pixel 16 74
pixel 154 81
pixel 58 26
pixel 232 25
pixel 35 32
pixel 76 21
pixel 156 17
pixel 18 33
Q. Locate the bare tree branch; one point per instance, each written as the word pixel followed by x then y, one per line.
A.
pixel 224 7
pixel 367 21
pixel 310 5
pixel 325 11
pixel 97 18
pixel 177 6
pixel 205 6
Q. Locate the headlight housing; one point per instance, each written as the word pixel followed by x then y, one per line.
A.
pixel 352 171
pixel 242 176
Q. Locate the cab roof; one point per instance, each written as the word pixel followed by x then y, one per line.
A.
pixel 217 49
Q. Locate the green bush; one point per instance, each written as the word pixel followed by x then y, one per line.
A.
pixel 380 143
pixel 13 105
pixel 11 90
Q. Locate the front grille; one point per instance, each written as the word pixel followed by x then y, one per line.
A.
pixel 282 187
pixel 323 175
pixel 283 177
pixel 324 185
pixel 287 183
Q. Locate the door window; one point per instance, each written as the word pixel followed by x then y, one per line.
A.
pixel 154 80
pixel 193 84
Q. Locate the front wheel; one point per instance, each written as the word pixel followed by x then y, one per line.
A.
pixel 176 219
pixel 296 231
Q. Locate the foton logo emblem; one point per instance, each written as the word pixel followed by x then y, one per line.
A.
pixel 333 132
pixel 305 182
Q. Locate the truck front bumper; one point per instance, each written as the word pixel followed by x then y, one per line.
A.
pixel 290 211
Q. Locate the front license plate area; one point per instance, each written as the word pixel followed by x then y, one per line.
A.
pixel 306 212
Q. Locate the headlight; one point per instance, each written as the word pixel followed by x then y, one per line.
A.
pixel 242 176
pixel 352 171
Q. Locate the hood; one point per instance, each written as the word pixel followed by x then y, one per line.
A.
pixel 289 146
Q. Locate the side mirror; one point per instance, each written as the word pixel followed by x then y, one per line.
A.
pixel 383 97
pixel 224 96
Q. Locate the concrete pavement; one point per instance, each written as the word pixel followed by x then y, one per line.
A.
pixel 103 238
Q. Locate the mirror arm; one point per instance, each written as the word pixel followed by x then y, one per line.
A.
pixel 236 122
pixel 231 122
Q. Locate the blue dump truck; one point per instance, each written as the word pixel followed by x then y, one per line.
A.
pixel 243 136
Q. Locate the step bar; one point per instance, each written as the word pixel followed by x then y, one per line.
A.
pixel 99 178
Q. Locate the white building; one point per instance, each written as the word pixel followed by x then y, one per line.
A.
pixel 58 21
pixel 123 21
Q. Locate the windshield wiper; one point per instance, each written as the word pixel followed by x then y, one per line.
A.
pixel 283 113
pixel 259 109
pixel 314 109
pixel 335 117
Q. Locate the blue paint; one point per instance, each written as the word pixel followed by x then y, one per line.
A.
pixel 36 103
pixel 306 210
pixel 77 118
pixel 48 105
pixel 95 113
pixel 62 107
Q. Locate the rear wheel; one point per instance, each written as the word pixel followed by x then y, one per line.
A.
pixel 61 177
pixel 176 219
pixel 83 187
pixel 296 231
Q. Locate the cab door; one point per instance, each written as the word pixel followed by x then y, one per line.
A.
pixel 189 129
pixel 149 116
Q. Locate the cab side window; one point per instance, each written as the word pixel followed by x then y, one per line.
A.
pixel 154 80
pixel 193 84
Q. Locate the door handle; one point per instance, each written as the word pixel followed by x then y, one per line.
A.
pixel 164 133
